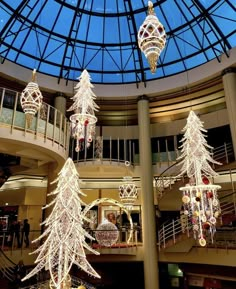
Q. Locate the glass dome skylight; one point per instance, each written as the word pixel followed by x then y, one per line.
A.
pixel 63 37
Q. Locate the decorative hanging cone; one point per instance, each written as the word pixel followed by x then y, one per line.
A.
pixel 152 60
pixel 151 38
pixel 29 118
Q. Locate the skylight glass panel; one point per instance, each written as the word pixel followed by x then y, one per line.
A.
pixel 63 23
pixel 52 46
pixel 12 54
pixel 112 60
pixel 54 69
pixel 111 6
pixel 88 5
pixel 83 27
pixel 98 42
pixel 137 4
pixel 173 15
pixel 195 60
pixel 124 36
pixel 33 14
pixel 48 22
pixel 174 68
pixel 94 59
pixel 96 29
pixel 121 6
pixel 112 31
pixel 28 61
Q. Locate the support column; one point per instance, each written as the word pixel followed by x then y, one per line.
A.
pixel 151 270
pixel 229 81
pixel 60 102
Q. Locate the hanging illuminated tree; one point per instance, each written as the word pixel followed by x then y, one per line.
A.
pixel 200 199
pixel 83 121
pixel 64 237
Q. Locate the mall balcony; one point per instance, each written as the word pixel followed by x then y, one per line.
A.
pixel 35 154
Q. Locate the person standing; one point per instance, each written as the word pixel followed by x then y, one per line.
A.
pixel 25 232
pixel 17 233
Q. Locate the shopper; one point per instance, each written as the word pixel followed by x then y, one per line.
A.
pixel 25 232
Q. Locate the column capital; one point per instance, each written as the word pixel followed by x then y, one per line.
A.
pixel 142 97
pixel 228 70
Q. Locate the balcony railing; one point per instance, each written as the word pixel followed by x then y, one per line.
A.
pixel 223 154
pixel 9 240
pixel 170 232
pixel 49 123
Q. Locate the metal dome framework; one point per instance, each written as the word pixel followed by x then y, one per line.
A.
pixel 63 37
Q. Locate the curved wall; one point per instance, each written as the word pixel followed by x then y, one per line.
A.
pixel 211 120
pixel 200 73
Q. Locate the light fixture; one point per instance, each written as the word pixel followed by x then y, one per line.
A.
pixel 31 99
pixel 106 234
pixel 83 121
pixel 200 200
pixel 115 203
pixel 128 191
pixel 65 238
pixel 151 38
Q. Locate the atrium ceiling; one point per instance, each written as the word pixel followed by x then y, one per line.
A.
pixel 61 38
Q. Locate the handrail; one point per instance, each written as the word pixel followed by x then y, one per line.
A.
pixel 163 181
pixel 123 232
pixel 6 257
pixel 6 266
pixel 169 231
pixel 12 116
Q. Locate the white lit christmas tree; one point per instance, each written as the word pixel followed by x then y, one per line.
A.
pixel 83 121
pixel 200 199
pixel 64 237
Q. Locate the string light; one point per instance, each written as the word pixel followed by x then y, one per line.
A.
pixel 200 200
pixel 64 237
pixel 83 121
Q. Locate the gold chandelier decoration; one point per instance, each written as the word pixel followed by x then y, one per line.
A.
pixel 151 38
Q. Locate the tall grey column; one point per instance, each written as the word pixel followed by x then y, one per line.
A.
pixel 60 102
pixel 151 270
pixel 229 81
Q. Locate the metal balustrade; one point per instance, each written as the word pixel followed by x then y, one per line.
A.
pixel 223 154
pixel 49 123
pixel 171 231
pixel 6 266
pixel 123 232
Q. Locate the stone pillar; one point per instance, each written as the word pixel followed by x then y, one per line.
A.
pixel 229 81
pixel 151 270
pixel 60 102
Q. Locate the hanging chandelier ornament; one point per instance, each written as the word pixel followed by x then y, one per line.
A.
pixel 83 121
pixel 151 38
pixel 128 191
pixel 31 99
pixel 200 200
